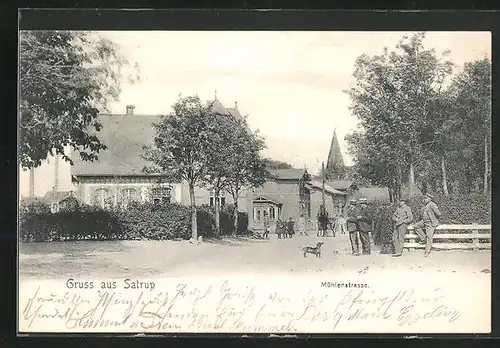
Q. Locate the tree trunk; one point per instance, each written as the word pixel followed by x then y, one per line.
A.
pixel 235 226
pixel 217 213
pixel 424 186
pixel 486 167
pixel 411 182
pixel 391 194
pixel 445 182
pixel 399 182
pixel 194 222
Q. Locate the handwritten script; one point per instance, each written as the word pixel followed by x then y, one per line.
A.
pixel 229 306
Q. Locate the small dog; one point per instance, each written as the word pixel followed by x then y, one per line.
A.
pixel 313 250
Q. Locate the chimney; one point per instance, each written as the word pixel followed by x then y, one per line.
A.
pixel 236 105
pixel 130 110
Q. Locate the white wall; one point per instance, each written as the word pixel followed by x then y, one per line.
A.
pixel 45 177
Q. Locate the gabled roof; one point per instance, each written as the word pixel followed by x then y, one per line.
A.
pixel 340 184
pixel 373 193
pixel 266 200
pixel 125 136
pixel 287 174
pixel 318 186
pixel 217 107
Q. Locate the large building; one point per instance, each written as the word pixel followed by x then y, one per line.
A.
pixel 118 177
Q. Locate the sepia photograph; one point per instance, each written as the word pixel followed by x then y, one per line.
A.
pixel 254 181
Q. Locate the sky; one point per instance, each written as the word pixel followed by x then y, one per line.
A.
pixel 290 84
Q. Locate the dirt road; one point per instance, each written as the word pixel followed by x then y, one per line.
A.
pixel 229 256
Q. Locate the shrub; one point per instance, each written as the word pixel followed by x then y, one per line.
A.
pixel 157 222
pixel 206 220
pixel 139 222
pixel 457 209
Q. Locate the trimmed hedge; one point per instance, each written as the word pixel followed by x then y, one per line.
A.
pixel 458 209
pixel 140 222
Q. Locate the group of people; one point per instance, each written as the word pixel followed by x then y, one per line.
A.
pixel 285 229
pixel 359 224
pixel 403 218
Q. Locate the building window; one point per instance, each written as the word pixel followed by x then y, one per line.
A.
pixel 272 213
pixel 258 215
pixel 221 198
pixel 103 198
pixel 161 195
pixel 128 196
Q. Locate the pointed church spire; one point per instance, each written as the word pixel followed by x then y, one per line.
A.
pixel 335 162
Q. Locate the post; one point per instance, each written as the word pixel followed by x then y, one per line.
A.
pixel 475 240
pixel 323 184
pixel 32 182
pixel 411 239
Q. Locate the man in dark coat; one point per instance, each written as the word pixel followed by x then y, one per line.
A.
pixel 322 221
pixel 290 227
pixel 364 225
pixel 352 225
pixel 401 218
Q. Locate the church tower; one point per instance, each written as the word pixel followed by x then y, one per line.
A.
pixel 335 167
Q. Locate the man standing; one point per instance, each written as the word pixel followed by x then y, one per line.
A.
pixel 364 225
pixel 267 225
pixel 401 218
pixel 301 224
pixel 430 216
pixel 352 226
pixel 290 227
pixel 322 221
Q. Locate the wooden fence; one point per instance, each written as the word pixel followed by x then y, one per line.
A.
pixel 453 237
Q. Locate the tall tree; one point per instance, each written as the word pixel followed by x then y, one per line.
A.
pixel 66 78
pixel 245 167
pixel 392 98
pixel 183 140
pixel 471 107
pixel 218 153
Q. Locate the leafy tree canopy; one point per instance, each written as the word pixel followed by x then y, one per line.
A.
pixel 66 78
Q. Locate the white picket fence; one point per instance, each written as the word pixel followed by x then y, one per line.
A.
pixel 474 236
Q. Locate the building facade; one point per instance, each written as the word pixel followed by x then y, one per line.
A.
pixel 117 178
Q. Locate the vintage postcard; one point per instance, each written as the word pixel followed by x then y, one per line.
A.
pixel 257 182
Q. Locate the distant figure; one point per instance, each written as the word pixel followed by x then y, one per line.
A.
pixel 352 226
pixel 341 224
pixel 267 224
pixel 322 221
pixel 280 228
pixel 301 224
pixel 430 220
pixel 290 227
pixel 402 217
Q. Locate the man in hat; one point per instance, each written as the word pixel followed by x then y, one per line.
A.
pixel 364 225
pixel 352 225
pixel 401 218
pixel 430 220
pixel 267 225
pixel 322 221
